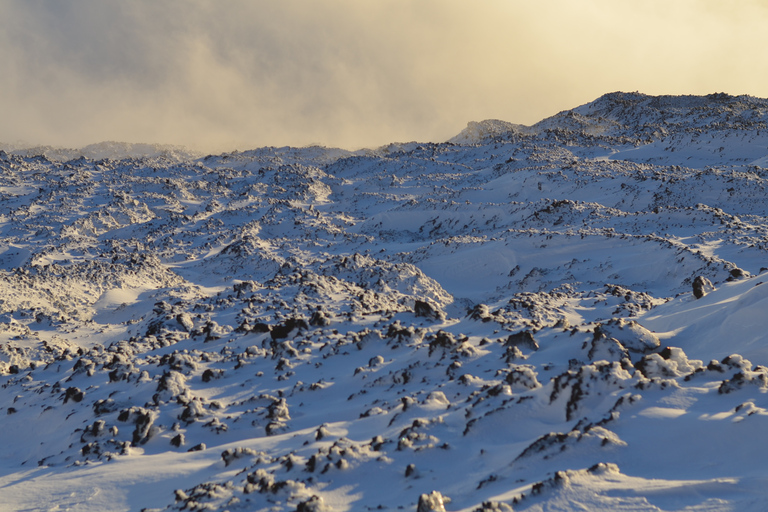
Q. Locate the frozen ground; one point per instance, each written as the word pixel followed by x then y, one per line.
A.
pixel 507 319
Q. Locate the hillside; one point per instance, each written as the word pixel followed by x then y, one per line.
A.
pixel 564 316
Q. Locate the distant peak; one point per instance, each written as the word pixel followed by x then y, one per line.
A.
pixel 489 129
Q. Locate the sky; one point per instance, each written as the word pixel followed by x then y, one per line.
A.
pixel 219 75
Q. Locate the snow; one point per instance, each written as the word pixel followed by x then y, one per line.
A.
pixel 502 321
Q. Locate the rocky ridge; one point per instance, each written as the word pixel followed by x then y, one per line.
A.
pixel 501 319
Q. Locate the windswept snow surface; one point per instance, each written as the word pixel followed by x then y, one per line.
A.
pixel 507 319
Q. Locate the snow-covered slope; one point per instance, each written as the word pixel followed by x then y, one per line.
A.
pixel 505 321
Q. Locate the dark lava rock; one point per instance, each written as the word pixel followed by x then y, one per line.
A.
pixel 701 286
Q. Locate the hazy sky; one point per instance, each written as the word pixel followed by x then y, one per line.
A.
pixel 224 74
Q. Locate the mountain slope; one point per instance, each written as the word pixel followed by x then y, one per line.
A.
pixel 507 319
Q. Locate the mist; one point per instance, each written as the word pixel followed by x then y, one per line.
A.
pixel 217 76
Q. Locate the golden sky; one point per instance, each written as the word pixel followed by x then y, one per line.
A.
pixel 219 75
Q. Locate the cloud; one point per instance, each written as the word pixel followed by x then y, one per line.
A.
pixel 241 74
